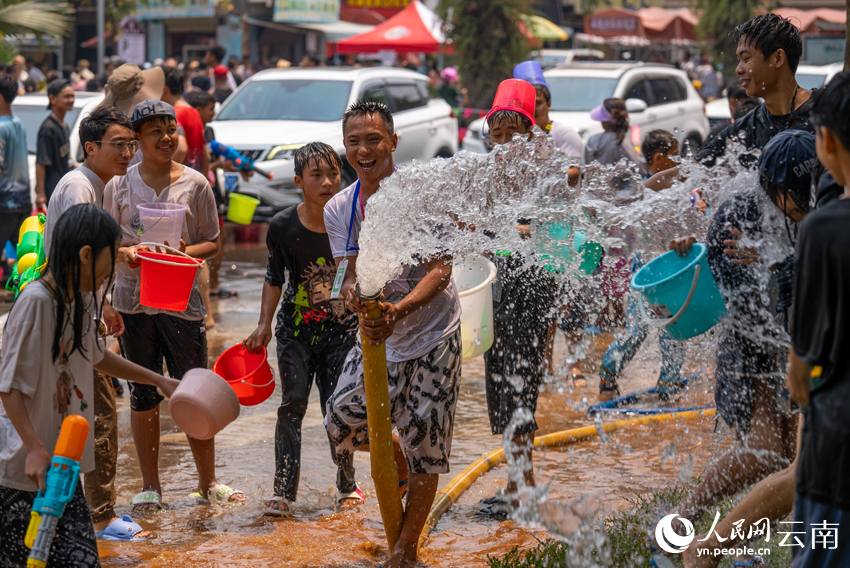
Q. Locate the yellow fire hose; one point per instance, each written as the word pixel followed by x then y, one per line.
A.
pixel 456 487
pixel 378 418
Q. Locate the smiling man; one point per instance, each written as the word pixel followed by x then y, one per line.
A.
pixel 420 323
pixel 769 50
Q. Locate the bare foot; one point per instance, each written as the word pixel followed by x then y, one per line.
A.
pixel 279 506
pixel 237 498
pixel 398 559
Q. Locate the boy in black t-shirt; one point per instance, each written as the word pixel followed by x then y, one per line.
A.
pixel 314 332
pixel 53 146
pixel 819 358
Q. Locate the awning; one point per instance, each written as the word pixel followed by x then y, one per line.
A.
pixel 540 28
pixel 416 29
pixel 336 31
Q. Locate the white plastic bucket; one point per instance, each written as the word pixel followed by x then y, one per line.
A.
pixel 162 222
pixel 473 276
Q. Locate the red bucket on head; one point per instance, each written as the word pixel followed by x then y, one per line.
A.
pixel 167 280
pixel 248 374
pixel 516 95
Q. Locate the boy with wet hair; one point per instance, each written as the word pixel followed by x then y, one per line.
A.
pixel 659 148
pixel 522 316
pixel 819 337
pixel 769 51
pixel 314 331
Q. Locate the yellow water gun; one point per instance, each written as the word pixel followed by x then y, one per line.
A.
pixel 32 258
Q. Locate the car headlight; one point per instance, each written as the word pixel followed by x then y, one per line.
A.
pixel 284 152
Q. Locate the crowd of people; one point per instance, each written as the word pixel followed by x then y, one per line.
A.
pixel 146 143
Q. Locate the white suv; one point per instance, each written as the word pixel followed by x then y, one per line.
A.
pixel 277 111
pixel 665 100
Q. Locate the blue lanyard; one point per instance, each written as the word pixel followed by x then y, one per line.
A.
pixel 351 222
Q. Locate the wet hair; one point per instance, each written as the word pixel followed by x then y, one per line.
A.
pixel 93 127
pixel 657 141
pixel 174 80
pixel 218 52
pixel 736 92
pixel 768 33
pixel 544 90
pixel 8 88
pixel 511 117
pixel 199 99
pixel 81 225
pixel 368 108
pixel 745 107
pixel 318 151
pixel 613 104
pixel 832 107
pixel 163 120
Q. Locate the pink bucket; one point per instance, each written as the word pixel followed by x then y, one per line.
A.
pixel 203 404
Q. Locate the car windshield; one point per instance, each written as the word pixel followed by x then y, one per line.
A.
pixel 32 116
pixel 579 94
pixel 810 80
pixel 550 60
pixel 288 99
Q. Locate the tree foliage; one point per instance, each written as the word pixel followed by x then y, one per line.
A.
pixel 486 41
pixel 718 19
pixel 39 17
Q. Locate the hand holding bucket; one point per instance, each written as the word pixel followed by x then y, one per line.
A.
pixel 167 280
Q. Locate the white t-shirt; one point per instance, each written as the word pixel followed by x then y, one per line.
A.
pixel 52 389
pixel 120 199
pixel 566 139
pixel 418 333
pixel 80 185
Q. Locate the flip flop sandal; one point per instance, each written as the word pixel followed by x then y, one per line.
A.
pixel 355 495
pixel 221 494
pixel 122 529
pixel 275 512
pixel 147 498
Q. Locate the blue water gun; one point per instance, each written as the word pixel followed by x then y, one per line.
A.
pixel 62 479
pixel 241 162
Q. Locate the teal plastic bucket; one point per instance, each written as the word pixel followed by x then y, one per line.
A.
pixel 681 293
pixel 562 244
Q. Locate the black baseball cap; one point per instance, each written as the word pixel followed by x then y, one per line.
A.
pixel 789 161
pixel 151 108
pixel 55 87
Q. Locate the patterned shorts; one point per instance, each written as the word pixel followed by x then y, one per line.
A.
pixel 423 397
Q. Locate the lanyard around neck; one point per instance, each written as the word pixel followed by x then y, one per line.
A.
pixel 357 197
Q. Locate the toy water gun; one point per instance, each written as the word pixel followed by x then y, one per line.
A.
pixel 31 254
pixel 62 479
pixel 243 163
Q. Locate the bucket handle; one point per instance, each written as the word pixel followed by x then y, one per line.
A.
pixel 271 382
pixel 666 322
pixel 198 262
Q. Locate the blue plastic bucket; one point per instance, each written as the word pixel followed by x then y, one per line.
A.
pixel 562 245
pixel 681 292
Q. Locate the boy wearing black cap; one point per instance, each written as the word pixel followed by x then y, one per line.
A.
pixel 819 338
pixel 152 335
pixel 53 152
pixel 751 347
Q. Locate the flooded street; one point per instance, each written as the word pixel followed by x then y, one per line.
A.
pixel 633 459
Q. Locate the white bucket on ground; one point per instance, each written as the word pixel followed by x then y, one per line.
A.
pixel 473 276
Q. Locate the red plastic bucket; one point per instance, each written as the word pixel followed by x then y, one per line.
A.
pixel 167 280
pixel 516 95
pixel 248 374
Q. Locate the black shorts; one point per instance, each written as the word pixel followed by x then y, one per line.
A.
pixel 148 339
pixel 74 544
pixel 514 366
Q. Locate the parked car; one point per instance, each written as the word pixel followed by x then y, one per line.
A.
pixel 657 96
pixel 557 57
pixel 275 112
pixel 32 110
pixel 808 77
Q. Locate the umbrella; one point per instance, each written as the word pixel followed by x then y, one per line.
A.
pixel 540 28
pixel 414 29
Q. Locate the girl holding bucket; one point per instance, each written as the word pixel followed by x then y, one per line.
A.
pixel 153 334
pixel 51 346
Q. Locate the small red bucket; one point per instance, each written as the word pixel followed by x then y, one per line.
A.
pixel 167 280
pixel 248 374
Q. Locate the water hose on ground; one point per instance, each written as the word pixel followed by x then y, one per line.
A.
pixel 456 487
pixel 379 421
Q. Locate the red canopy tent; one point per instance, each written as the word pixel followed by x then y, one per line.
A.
pixel 415 29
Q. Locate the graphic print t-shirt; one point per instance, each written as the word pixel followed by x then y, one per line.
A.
pixel 306 257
